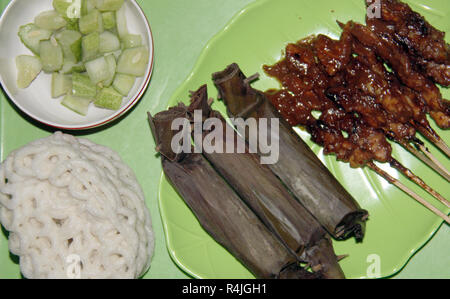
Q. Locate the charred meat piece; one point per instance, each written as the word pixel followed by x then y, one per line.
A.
pixel 438 72
pixel 334 55
pixel 413 31
pixel 297 106
pixel 404 111
pixel 404 68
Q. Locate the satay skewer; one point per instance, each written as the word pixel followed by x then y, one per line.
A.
pixel 436 140
pixel 425 157
pixel 301 101
pixel 428 159
pixel 443 147
pixel 408 191
pixel 409 174
pixel 371 61
pixel 430 156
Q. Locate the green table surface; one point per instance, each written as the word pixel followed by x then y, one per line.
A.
pixel 181 28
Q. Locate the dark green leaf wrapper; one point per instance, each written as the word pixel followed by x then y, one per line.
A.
pixel 268 198
pixel 297 167
pixel 226 218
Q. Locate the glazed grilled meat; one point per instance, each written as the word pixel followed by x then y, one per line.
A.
pixel 413 32
pixel 405 69
pixel 307 82
pixel 377 82
pixel 360 100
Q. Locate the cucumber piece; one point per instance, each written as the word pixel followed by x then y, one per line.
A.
pixel 82 86
pixel 109 42
pixel 70 42
pixel 87 6
pixel 76 104
pixel 108 98
pixel 70 67
pixel 61 85
pixel 92 22
pixel 68 8
pixel 121 22
pixel 90 45
pixel 117 54
pixel 28 67
pixel 131 41
pixel 123 83
pixel 72 24
pixel 79 68
pixel 61 6
pixel 98 70
pixel 133 61
pixel 111 60
pixel 51 55
pixel 109 20
pixel 50 20
pixel 108 5
pixel 31 35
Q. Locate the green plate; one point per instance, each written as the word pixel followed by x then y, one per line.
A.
pixel 398 226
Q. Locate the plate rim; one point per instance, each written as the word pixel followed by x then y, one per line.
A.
pixel 402 261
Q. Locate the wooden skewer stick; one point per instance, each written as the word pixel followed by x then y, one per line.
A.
pixel 434 160
pixel 434 138
pixel 394 163
pixel 408 191
pixel 429 160
pixel 443 147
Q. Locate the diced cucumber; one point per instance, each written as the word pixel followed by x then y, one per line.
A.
pixel 87 6
pixel 51 55
pixel 123 83
pixel 79 68
pixel 109 42
pixel 50 20
pixel 131 41
pixel 61 85
pixel 90 45
pixel 98 70
pixel 92 22
pixel 61 6
pixel 77 104
pixel 67 67
pixel 70 42
pixel 72 24
pixel 68 8
pixel 31 35
pixel 82 86
pixel 111 60
pixel 108 98
pixel 121 22
pixel 109 20
pixel 108 5
pixel 28 67
pixel 117 54
pixel 133 61
pixel 70 67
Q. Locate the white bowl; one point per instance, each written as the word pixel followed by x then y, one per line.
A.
pixel 36 100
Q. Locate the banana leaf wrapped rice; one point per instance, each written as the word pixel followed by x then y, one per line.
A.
pixel 263 192
pixel 226 218
pixel 297 165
